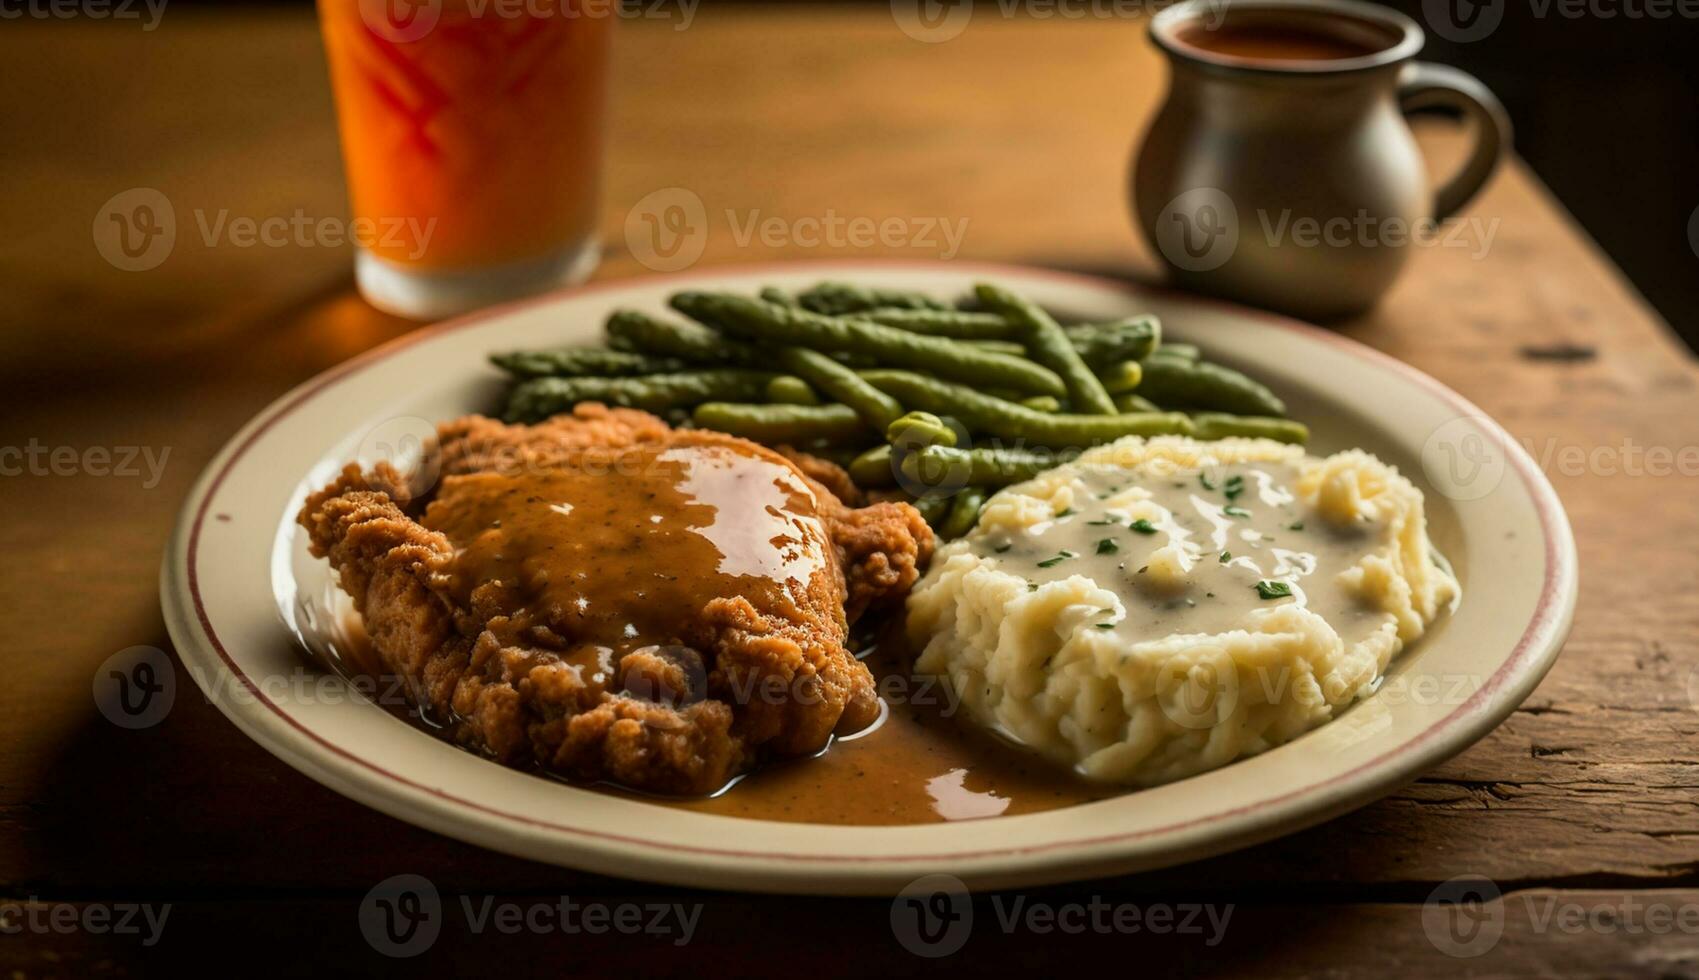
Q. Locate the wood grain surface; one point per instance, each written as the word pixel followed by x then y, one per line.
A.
pixel 1587 798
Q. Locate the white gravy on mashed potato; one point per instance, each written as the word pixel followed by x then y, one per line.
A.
pixel 1236 533
pixel 1160 607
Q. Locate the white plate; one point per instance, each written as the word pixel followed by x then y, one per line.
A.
pixel 236 588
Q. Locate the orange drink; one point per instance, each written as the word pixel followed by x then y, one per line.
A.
pixel 472 138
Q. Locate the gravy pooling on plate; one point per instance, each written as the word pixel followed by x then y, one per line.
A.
pixel 921 763
pixel 917 764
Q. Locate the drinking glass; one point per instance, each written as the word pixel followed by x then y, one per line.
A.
pixel 472 139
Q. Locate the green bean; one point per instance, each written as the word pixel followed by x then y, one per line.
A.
pixel 1123 377
pixel 964 511
pixel 959 324
pixel 568 362
pixel 775 424
pixel 873 468
pixel 998 346
pixel 857 361
pixel 1042 403
pixel 772 324
pixel 788 389
pixel 1099 344
pixel 1203 386
pixel 1103 344
pixel 917 429
pixel 982 413
pixel 1185 352
pixel 539 398
pixel 1051 347
pixel 934 508
pixel 838 298
pixel 838 381
pixel 1162 356
pixel 1217 425
pixel 687 341
pixel 1133 402
pixel 985 466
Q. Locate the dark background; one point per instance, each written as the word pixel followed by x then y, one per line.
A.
pixel 1606 110
pixel 1607 113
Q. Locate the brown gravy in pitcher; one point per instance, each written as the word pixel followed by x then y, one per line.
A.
pixel 1284 36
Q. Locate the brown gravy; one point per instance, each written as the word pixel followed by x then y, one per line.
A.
pixel 623 555
pixel 1285 37
pixel 920 765
pixel 620 557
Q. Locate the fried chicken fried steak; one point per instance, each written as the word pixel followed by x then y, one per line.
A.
pixel 610 598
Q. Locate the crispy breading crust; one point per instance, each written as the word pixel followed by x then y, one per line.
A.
pixel 773 685
pixel 478 444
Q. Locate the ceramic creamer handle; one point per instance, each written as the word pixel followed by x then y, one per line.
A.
pixel 1424 85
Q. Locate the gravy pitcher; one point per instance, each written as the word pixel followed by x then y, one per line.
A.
pixel 1280 170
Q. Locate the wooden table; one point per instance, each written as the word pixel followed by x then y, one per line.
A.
pixel 1587 797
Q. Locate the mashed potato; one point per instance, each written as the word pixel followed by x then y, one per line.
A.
pixel 1162 607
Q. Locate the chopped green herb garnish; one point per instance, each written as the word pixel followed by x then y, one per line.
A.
pixel 1061 557
pixel 1295 526
pixel 1235 511
pixel 1107 546
pixel 1143 526
pixel 1032 586
pixel 1103 626
pixel 1066 512
pixel 1106 522
pixel 1233 487
pixel 1226 556
pixel 1005 546
pixel 1273 590
pixel 1204 479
